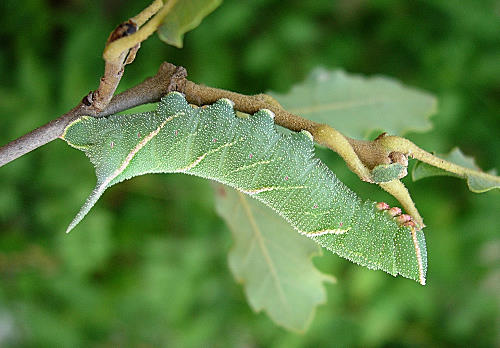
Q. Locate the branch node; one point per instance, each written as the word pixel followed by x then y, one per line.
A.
pixel 177 80
pixel 87 100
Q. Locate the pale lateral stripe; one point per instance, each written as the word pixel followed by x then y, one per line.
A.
pixel 323 232
pixel 191 165
pixel 134 151
pixel 419 256
pixel 99 190
pixel 200 158
pixel 319 213
pixel 270 188
pixel 63 136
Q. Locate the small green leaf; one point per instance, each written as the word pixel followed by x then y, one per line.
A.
pixel 477 180
pixel 183 17
pixel 249 155
pixel 271 261
pixel 357 106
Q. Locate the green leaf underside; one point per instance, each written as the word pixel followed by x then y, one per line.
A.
pixel 183 17
pixel 271 261
pixel 477 182
pixel 250 156
pixel 358 106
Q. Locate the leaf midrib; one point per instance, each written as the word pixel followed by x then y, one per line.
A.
pixel 265 251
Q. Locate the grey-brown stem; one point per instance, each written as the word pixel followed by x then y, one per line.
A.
pixel 168 78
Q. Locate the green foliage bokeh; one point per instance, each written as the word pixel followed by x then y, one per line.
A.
pixel 149 264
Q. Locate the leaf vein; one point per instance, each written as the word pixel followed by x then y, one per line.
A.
pixel 265 251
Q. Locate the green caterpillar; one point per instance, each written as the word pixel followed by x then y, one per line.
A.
pixel 248 154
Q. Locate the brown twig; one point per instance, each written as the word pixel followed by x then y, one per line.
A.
pixel 101 101
pixel 360 156
pixel 122 54
pixel 203 95
pixel 115 48
pixel 168 78
pixel 354 152
pixel 38 137
pixel 113 69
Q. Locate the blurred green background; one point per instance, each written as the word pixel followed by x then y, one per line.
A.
pixel 148 266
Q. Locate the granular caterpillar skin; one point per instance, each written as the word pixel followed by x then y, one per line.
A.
pixel 250 155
